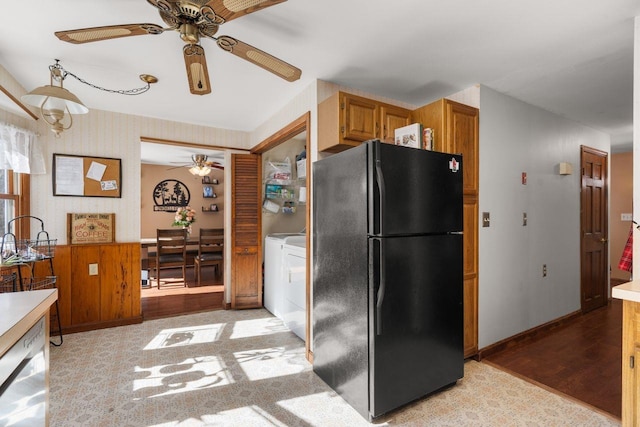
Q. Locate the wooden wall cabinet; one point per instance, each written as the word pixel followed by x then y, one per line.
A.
pixel 630 360
pixel 346 120
pixel 456 130
pixel 110 298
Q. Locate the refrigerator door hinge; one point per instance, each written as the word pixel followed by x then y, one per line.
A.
pixel 632 362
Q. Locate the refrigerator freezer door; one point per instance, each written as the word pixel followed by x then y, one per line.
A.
pixel 416 322
pixel 413 191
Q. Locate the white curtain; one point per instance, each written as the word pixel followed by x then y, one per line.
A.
pixel 19 150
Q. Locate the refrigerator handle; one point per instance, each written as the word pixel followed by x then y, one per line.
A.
pixel 380 179
pixel 381 289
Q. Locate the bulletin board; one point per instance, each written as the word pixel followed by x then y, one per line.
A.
pixel 86 176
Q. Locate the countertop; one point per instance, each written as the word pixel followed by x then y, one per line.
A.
pixel 629 291
pixel 20 311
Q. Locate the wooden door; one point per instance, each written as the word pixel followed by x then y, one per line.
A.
pixel 246 249
pixel 593 240
pixel 359 118
pixel 393 118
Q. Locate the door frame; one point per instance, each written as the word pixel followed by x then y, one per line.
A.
pixel 301 124
pixel 604 215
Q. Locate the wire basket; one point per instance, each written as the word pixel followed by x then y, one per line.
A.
pixel 25 250
pixel 8 283
pixel 37 283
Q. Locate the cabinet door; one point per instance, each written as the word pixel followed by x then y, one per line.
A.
pixel 246 277
pixel 462 138
pixel 393 118
pixel 359 118
pixel 630 360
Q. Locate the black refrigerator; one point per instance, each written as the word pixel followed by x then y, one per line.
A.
pixel 387 274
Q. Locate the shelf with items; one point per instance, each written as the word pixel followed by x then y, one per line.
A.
pixel 208 192
pixel 212 208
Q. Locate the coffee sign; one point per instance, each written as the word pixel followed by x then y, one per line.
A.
pixel 86 228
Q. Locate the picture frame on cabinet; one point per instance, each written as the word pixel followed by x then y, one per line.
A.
pixel 206 179
pixel 207 192
pixel 213 207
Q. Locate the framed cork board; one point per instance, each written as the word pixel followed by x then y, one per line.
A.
pixel 84 228
pixel 86 176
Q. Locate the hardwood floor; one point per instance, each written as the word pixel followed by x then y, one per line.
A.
pixel 581 359
pixel 173 298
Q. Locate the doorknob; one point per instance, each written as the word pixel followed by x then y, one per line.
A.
pixel 603 240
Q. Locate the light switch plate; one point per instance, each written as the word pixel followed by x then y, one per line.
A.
pixel 626 217
pixel 93 269
pixel 486 219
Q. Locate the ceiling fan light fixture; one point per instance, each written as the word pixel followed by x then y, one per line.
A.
pixel 200 170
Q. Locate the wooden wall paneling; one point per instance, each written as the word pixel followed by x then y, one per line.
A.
pixel 85 289
pixel 117 283
pixel 62 271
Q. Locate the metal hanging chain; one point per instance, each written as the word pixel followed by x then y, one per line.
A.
pixel 59 73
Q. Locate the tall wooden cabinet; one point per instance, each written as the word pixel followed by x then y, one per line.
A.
pixel 456 130
pixel 346 120
pixel 630 360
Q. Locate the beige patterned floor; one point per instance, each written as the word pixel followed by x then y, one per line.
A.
pixel 245 368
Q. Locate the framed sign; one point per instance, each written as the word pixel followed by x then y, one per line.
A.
pixel 86 176
pixel 84 228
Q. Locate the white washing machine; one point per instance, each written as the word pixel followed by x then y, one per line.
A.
pixel 294 282
pixel 273 262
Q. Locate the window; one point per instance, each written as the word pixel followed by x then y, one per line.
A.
pixel 13 201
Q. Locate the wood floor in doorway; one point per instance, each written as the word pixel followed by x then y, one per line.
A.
pixel 581 359
pixel 173 298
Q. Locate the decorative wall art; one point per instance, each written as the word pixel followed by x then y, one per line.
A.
pixel 169 195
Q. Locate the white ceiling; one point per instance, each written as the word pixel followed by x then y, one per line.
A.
pixel 571 57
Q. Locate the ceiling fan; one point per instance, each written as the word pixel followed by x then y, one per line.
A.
pixel 194 19
pixel 201 166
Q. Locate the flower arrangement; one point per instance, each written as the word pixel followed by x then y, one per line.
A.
pixel 184 217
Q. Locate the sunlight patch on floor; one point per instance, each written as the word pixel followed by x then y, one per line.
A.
pixel 191 374
pixel 257 327
pixel 188 335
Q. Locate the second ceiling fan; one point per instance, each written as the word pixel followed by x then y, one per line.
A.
pixel 194 19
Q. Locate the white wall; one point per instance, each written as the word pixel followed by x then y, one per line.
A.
pixel 636 137
pixel 516 137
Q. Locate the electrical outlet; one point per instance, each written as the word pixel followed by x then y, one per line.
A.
pixel 93 269
pixel 544 270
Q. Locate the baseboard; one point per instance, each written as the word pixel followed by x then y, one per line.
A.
pixel 100 325
pixel 524 336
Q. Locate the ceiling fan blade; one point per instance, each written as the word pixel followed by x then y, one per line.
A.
pixel 94 34
pixel 196 69
pixel 232 9
pixel 259 58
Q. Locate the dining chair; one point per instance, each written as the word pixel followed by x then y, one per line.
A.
pixel 171 251
pixel 210 250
